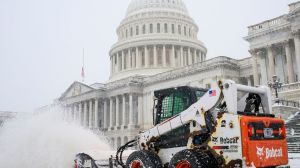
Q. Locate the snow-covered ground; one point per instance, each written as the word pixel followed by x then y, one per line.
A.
pixel 294 161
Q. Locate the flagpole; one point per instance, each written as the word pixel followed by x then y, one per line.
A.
pixel 82 69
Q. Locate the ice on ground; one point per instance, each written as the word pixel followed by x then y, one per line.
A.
pixel 46 141
pixel 294 160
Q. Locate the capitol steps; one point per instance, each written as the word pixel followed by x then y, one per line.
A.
pixel 293 133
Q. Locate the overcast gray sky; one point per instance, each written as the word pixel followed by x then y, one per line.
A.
pixel 41 41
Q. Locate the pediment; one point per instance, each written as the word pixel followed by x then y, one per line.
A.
pixel 77 88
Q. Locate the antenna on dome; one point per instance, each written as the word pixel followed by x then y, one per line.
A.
pixel 82 69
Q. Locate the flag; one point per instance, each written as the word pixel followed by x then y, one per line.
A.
pixel 212 93
pixel 82 74
pixel 82 69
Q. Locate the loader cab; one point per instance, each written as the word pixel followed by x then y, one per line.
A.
pixel 172 101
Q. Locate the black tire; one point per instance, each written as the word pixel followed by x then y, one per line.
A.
pixel 148 159
pixel 82 157
pixel 196 159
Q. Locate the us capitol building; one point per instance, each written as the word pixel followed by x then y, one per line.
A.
pixel 158 48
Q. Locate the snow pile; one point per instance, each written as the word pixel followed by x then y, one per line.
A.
pixel 44 141
pixel 291 117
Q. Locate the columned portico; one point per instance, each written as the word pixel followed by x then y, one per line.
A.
pixel 105 115
pixel 146 56
pixel 297 53
pixel 117 112
pixel 263 67
pixel 111 112
pixel 124 111
pixel 290 70
pixel 85 115
pixel 155 56
pixel 91 114
pixel 164 56
pixel 131 110
pixel 254 65
pixel 96 112
pixel 271 61
pixel 80 113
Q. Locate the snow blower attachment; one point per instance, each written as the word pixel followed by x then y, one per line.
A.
pixel 229 125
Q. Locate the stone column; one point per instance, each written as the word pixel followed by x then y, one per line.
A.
pixel 138 58
pixel 115 66
pixel 189 56
pixel 85 115
pixel 105 114
pixel 111 64
pixel 80 113
pixel 146 56
pixel 164 56
pixel 76 113
pixel 297 53
pixel 134 60
pixel 131 120
pixel 73 112
pixel 173 59
pixel 249 81
pixel 117 112
pixel 129 59
pixel 254 67
pixel 68 113
pixel 155 56
pixel 263 67
pixel 123 61
pixel 195 56
pixel 181 56
pixel 289 62
pixel 111 112
pixel 96 114
pixel 124 110
pixel 91 114
pixel 201 56
pixel 140 109
pixel 118 62
pixel 271 62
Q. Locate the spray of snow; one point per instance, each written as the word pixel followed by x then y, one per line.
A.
pixel 44 141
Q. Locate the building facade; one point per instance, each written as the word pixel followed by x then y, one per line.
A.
pixel 275 50
pixel 157 48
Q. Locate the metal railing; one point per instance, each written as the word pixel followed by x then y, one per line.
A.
pixel 289 103
pixel 289 87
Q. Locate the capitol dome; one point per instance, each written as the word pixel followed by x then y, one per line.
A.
pixel 154 37
pixel 152 5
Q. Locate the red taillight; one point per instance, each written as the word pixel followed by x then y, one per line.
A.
pixel 250 130
pixel 282 131
pixel 75 164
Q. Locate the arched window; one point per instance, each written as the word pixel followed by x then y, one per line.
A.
pixel 158 28
pixel 126 33
pixel 166 28
pixel 190 32
pixel 184 30
pixel 144 29
pixel 137 30
pixel 179 29
pixel 131 31
pixel 151 28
